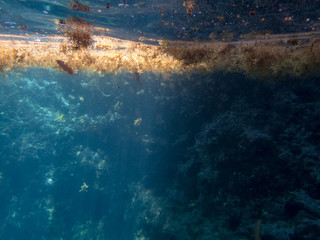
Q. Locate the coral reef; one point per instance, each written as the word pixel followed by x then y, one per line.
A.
pixel 247 168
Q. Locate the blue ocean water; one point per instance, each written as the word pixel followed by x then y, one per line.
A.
pixel 185 156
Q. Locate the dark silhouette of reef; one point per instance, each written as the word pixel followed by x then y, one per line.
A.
pixel 252 163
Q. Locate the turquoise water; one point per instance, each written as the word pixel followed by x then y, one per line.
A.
pixel 182 157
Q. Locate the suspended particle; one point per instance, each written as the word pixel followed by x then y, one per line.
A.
pixel 288 19
pixel 23 27
pixel 221 18
pixel 189 5
pixel 61 22
pixel 107 5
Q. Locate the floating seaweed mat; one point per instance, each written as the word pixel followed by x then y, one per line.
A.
pixel 264 56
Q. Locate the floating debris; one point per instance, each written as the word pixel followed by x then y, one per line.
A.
pixel 23 27
pixel 189 5
pixel 139 4
pixel 123 4
pixel 10 23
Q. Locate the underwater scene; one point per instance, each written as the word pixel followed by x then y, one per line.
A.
pixel 160 120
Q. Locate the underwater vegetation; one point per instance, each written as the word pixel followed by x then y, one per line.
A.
pixel 268 56
pixel 256 51
pixel 78 31
pixel 79 38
